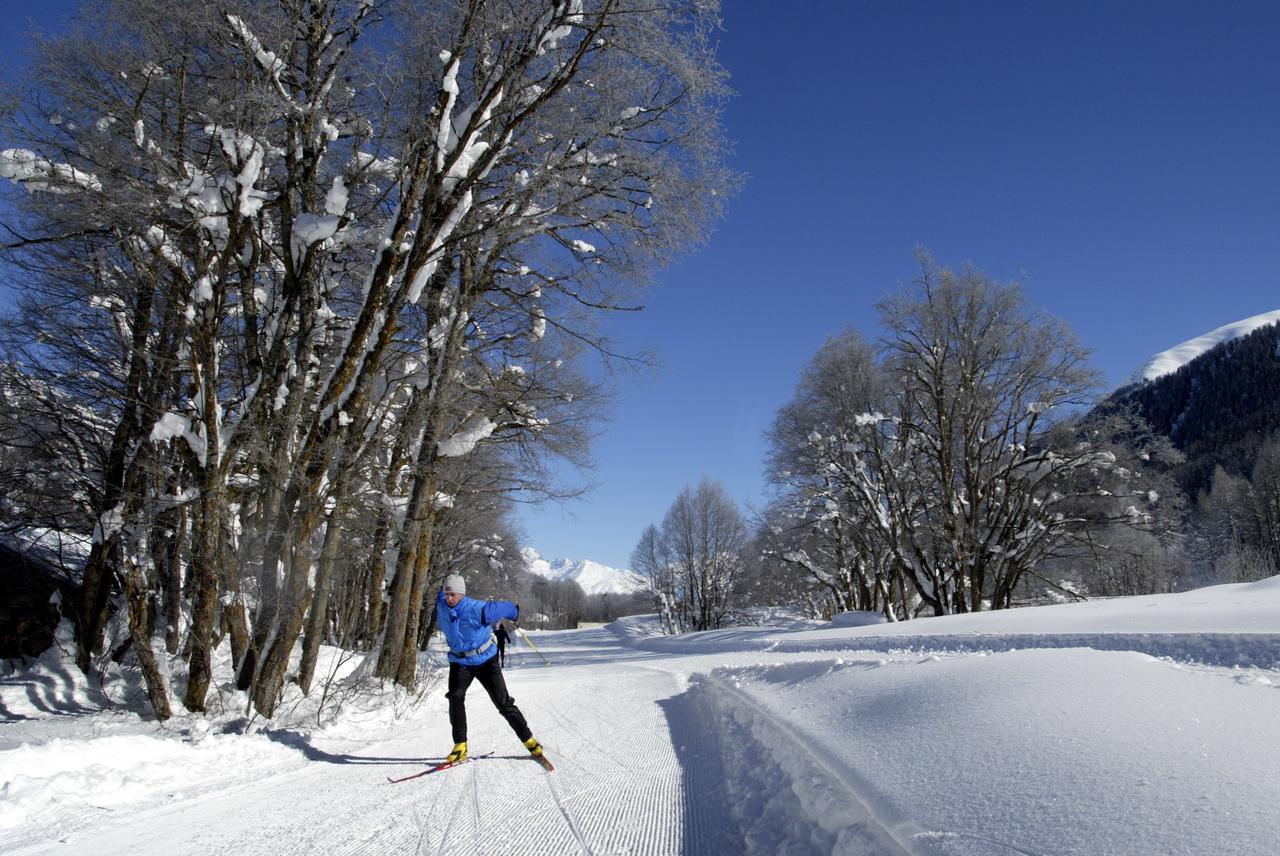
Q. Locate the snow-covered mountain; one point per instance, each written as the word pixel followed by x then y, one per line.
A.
pixel 592 577
pixel 1213 396
pixel 1167 362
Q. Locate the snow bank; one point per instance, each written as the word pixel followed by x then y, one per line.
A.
pixel 60 784
pixel 1229 625
pixel 784 798
pixel 50 686
pixel 999 754
pixel 78 749
pixel 857 619
pixel 631 628
pixel 1075 729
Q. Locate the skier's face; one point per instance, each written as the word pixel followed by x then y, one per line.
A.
pixel 452 598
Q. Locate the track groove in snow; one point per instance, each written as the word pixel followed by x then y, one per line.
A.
pixel 816 806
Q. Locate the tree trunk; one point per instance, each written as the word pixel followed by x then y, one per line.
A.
pixel 424 638
pixel 270 548
pixel 317 617
pixel 172 581
pixel 377 572
pixel 235 622
pixel 140 631
pixel 99 575
pixel 399 641
pixel 103 564
pixel 204 570
pixel 407 672
pixel 377 567
pixel 397 611
pixel 289 621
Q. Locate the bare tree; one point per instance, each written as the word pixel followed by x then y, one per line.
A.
pixel 651 558
pixel 979 377
pixel 942 463
pixel 815 523
pixel 1137 545
pixel 695 560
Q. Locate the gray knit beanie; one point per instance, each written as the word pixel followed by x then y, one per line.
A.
pixel 455 582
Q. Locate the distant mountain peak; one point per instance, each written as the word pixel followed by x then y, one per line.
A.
pixel 1168 362
pixel 592 577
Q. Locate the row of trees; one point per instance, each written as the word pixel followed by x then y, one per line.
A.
pixel 306 290
pixel 939 469
pixel 1238 522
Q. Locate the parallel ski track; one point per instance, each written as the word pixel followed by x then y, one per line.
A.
pixel 609 803
pixel 878 835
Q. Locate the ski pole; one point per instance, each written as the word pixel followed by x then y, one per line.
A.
pixel 531 645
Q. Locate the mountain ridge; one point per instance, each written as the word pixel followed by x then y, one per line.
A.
pixel 1216 397
pixel 1170 360
pixel 592 577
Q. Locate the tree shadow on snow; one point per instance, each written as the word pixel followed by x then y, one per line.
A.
pixel 7 715
pixel 709 825
pixel 52 694
pixel 298 740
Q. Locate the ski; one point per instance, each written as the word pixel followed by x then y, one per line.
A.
pixel 438 767
pixel 546 764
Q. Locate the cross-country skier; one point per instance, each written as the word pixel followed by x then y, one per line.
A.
pixel 500 633
pixel 473 653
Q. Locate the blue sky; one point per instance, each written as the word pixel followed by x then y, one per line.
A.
pixel 1121 158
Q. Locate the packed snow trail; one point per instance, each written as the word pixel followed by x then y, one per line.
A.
pixel 639 770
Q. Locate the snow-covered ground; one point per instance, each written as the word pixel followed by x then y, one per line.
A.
pixel 1132 726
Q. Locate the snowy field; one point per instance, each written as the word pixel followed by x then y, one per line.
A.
pixel 1133 726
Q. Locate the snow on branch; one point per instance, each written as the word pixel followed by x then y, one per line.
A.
pixel 464 442
pixel 571 13
pixel 309 228
pixel 244 151
pixel 270 63
pixel 172 425
pixel 36 173
pixel 157 241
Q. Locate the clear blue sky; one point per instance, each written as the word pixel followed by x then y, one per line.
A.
pixel 1122 158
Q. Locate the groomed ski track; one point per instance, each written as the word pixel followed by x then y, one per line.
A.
pixel 640 758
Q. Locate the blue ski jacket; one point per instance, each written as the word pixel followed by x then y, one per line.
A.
pixel 466 627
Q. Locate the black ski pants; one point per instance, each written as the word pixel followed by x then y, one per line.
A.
pixel 489 674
